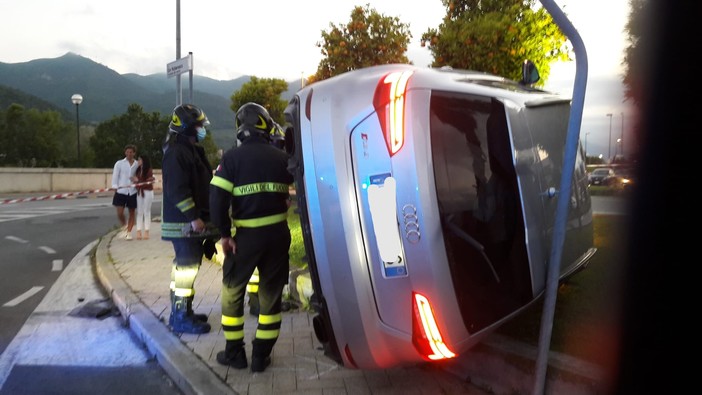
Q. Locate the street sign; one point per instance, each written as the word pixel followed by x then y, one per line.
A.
pixel 179 66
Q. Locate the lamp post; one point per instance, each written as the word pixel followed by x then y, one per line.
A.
pixel 609 149
pixel 586 134
pixel 621 136
pixel 77 99
pixel 617 149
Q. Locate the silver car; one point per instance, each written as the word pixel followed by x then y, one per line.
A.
pixel 427 201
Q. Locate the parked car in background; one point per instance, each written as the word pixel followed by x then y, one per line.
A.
pixel 427 202
pixel 603 176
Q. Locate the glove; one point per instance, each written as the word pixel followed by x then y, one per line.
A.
pixel 209 248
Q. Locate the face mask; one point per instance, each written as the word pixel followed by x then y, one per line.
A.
pixel 201 133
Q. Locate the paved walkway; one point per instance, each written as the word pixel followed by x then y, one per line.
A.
pixel 136 273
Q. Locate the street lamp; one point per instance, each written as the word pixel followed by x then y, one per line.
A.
pixel 77 99
pixel 609 150
pixel 621 136
pixel 617 149
pixel 586 134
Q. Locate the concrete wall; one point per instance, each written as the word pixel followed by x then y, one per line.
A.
pixel 29 180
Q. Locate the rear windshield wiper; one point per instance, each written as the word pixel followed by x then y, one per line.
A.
pixel 470 240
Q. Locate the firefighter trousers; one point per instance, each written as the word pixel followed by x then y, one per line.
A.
pixel 266 248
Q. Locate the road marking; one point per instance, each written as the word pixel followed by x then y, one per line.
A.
pixel 23 297
pixel 17 239
pixel 48 250
pixel 57 265
pixel 18 214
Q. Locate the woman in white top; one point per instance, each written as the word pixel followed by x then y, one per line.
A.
pixel 144 179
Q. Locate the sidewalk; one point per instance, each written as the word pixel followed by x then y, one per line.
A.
pixel 136 274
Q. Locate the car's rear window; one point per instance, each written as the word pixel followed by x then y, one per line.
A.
pixel 479 204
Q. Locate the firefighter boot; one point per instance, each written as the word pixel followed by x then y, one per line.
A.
pixel 233 355
pixel 260 356
pixel 254 307
pixel 184 323
pixel 201 317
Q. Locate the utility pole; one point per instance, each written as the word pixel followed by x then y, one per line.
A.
pixel 609 150
pixel 621 135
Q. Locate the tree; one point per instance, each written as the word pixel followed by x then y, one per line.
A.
pixel 34 138
pixel 147 131
pixel 263 91
pixel 634 54
pixel 636 60
pixel 368 39
pixel 496 36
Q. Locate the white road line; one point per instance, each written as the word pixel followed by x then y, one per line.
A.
pixel 23 297
pixel 17 239
pixel 4 218
pixel 57 265
pixel 48 250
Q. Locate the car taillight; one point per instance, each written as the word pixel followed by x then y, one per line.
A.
pixel 426 336
pixel 389 104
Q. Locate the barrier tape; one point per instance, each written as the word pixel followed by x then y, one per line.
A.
pixel 68 194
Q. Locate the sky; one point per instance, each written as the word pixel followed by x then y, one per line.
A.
pixel 276 39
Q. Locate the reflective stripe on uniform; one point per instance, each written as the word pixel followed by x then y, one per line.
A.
pixel 233 327
pixel 269 326
pixel 261 221
pixel 186 205
pixel 173 229
pixel 259 187
pixel 222 183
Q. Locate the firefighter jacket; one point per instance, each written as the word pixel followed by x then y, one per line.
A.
pixel 186 178
pixel 254 182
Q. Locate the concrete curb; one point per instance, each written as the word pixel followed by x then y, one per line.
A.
pixel 192 375
pixel 504 366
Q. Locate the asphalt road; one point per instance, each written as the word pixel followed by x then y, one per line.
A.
pixel 60 332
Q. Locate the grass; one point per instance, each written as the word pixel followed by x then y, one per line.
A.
pixel 297 247
pixel 584 323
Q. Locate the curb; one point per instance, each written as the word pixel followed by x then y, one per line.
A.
pixel 192 375
pixel 504 366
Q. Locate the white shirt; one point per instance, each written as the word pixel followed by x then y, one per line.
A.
pixel 121 174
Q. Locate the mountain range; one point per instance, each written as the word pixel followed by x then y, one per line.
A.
pixel 43 83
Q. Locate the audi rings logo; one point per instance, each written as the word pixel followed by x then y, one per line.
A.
pixel 411 223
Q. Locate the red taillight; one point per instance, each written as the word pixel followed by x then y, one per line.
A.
pixel 389 104
pixel 426 336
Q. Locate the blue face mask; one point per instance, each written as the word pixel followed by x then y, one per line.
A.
pixel 201 133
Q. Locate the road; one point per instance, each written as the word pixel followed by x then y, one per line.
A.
pixel 60 332
pixel 51 346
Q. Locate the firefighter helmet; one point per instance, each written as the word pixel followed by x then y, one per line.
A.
pixel 186 118
pixel 277 136
pixel 253 118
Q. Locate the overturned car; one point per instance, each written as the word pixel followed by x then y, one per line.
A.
pixel 427 200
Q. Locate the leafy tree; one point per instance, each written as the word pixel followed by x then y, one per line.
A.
pixel 146 131
pixel 634 54
pixel 496 36
pixel 264 91
pixel 34 138
pixel 368 39
pixel 636 62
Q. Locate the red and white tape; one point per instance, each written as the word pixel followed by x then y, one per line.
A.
pixel 68 194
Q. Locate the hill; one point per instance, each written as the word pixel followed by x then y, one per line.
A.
pixel 51 82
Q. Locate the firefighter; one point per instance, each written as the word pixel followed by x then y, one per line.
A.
pixel 277 139
pixel 251 184
pixel 185 212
